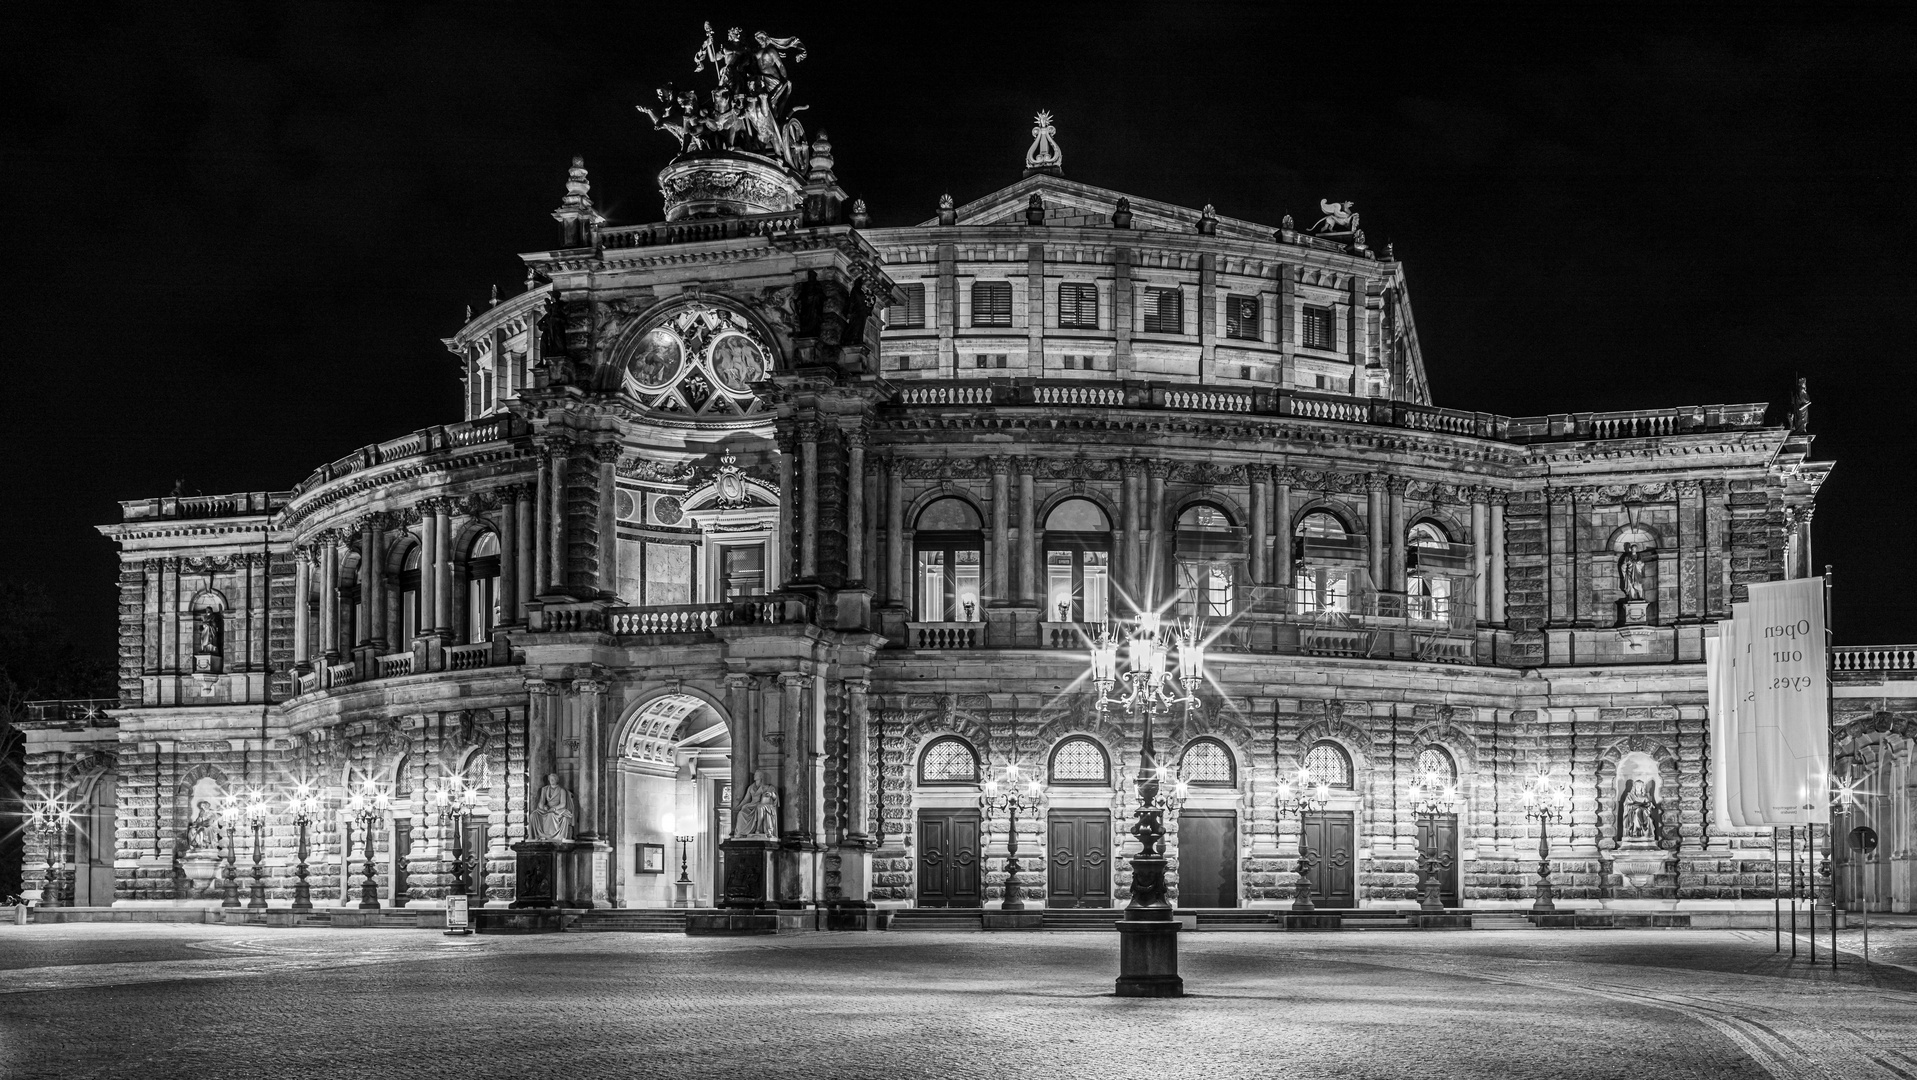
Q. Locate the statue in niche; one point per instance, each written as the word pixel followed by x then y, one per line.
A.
pixel 552 815
pixel 1639 816
pixel 1630 572
pixel 203 832
pixel 209 635
pixel 758 813
pixel 811 304
pixel 1800 407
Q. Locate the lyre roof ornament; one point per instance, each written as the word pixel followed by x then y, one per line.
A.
pixel 1044 155
pixel 1341 218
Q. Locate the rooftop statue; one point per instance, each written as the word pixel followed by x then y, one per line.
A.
pixel 748 109
pixel 1044 153
pixel 1340 217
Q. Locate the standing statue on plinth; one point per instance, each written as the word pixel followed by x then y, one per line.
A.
pixel 758 813
pixel 552 814
pixel 1630 572
pixel 1638 813
pixel 203 832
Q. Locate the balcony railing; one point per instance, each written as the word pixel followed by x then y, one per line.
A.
pixel 424 441
pixel 393 665
pixel 693 232
pixel 945 635
pixel 1186 397
pixel 71 710
pixel 1874 658
pixel 771 610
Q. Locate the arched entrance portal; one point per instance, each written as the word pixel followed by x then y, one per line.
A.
pixel 675 780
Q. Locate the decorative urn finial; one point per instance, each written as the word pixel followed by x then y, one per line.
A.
pixel 1208 221
pixel 1122 214
pixel 948 214
pixel 1044 155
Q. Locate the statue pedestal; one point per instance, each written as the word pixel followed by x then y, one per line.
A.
pixel 748 862
pixel 541 872
pixel 202 868
pixel 1633 612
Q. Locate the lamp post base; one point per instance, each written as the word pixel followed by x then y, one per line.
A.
pixel 1148 958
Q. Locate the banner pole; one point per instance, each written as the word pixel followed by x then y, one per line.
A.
pixel 1830 762
pixel 1810 885
pixel 1777 911
pixel 1790 837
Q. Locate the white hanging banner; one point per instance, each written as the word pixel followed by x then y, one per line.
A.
pixel 1717 668
pixel 1783 635
pixel 1744 799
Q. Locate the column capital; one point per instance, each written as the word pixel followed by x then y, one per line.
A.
pixel 855 437
pixel 1497 497
pixel 999 464
pixel 607 453
pixel 809 431
pixel 1377 482
pixel 590 686
pixel 1474 493
pixel 1286 475
pixel 1027 465
pixel 1130 467
pixel 860 687
pixel 1557 496
pixel 1689 487
pixel 542 687
pixel 1158 468
pixel 790 679
pixel 739 681
pixel 1584 494
pixel 553 445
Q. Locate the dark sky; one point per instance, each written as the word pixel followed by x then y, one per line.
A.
pixel 234 236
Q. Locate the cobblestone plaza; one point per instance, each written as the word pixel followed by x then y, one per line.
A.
pixel 160 1001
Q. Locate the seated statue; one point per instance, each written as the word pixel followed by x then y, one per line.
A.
pixel 552 813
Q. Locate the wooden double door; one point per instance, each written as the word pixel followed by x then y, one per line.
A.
pixel 1439 833
pixel 1078 852
pixel 949 858
pixel 1331 836
pixel 1208 859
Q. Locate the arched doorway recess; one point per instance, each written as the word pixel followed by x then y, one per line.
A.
pixel 675 803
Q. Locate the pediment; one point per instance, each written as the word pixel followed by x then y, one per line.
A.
pixel 1074 205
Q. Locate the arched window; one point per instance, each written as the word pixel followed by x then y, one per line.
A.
pixel 482 581
pixel 948 759
pixel 1328 764
pixel 1210 549
pixel 1078 559
pixel 1080 761
pixel 1427 590
pixel 406 582
pixel 950 548
pixel 1327 558
pixel 1208 763
pixel 1436 761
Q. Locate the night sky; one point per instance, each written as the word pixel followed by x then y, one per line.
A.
pixel 235 235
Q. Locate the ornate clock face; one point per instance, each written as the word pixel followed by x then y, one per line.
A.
pixel 656 361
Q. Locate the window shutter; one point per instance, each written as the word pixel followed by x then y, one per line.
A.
pixel 1164 311
pixel 1241 317
pixel 992 303
pixel 1078 306
pixel 911 314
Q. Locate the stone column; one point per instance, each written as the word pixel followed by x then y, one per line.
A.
pixel 1031 579
pixel 428 560
pixel 539 572
pixel 792 756
pixel 1480 551
pixel 1394 524
pixel 302 588
pixel 542 728
pixel 443 568
pixel 1374 528
pixel 1495 556
pixel 809 501
pixel 1281 526
pixel 606 456
pixel 1001 523
pixel 590 702
pixel 371 582
pixel 787 530
pixel 329 597
pixel 854 504
pixel 859 721
pixel 1134 577
pixel 1259 519
pixel 528 549
pixel 741 702
pixel 508 556
pixel 897 581
pixel 1691 544
pixel 1156 553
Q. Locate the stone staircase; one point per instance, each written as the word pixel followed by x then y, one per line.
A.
pixel 1236 919
pixel 938 919
pixel 1500 920
pixel 1082 919
pixel 631 921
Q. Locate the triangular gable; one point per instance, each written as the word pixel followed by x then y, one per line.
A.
pixel 1071 204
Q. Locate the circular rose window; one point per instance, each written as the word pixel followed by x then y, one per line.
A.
pixel 736 362
pixel 656 360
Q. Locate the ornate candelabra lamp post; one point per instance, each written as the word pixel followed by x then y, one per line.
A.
pixel 256 811
pixel 1009 797
pixel 369 806
pixel 232 812
pixel 455 799
pixel 1548 803
pixel 49 819
pixel 304 804
pixel 1429 797
pixel 1148 936
pixel 1296 798
pixel 682 888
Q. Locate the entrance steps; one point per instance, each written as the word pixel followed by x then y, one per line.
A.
pixel 938 919
pixel 630 921
pixel 1500 920
pixel 1082 919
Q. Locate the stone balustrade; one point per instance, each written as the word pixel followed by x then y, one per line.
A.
pixel 419 443
pixel 1874 658
pixel 1185 397
pixel 72 711
pixel 945 635
pixel 393 665
pixel 698 231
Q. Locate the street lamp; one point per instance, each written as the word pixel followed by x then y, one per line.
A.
pixel 256 811
pixel 1010 798
pixel 232 811
pixel 49 818
pixel 1296 799
pixel 1148 936
pixel 456 798
pixel 368 806
pixel 1548 803
pixel 1429 797
pixel 682 889
pixel 304 804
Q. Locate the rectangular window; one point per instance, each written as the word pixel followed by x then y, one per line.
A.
pixel 1428 597
pixel 668 574
pixel 911 314
pixel 1164 311
pixel 992 303
pixel 990 360
pixel 1076 582
pixel 1204 589
pixel 1078 306
pixel 1241 317
pixel 742 571
pixel 949 585
pixel 1321 591
pixel 1318 329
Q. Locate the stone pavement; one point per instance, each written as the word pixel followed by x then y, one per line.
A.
pixel 162 1001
